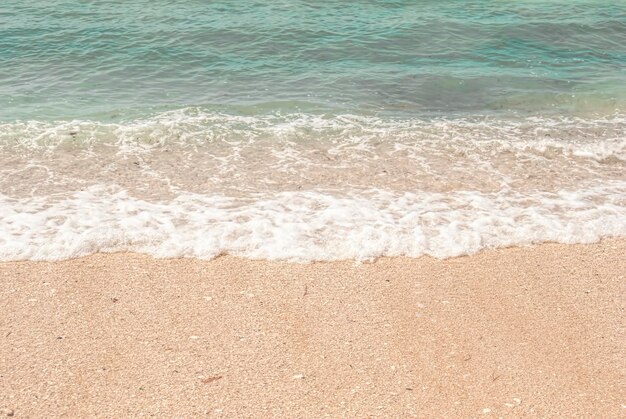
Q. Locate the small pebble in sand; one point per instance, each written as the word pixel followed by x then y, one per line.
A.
pixel 194 337
pixel 486 410
pixel 298 376
pixel 8 412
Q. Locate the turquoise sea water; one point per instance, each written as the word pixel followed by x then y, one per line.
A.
pixel 306 131
pixel 64 59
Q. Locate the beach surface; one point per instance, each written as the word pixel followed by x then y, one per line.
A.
pixel 535 331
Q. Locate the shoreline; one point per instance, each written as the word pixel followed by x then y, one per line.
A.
pixel 535 330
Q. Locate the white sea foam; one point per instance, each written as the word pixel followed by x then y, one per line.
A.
pixel 305 226
pixel 306 187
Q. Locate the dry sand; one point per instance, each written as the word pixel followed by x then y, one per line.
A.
pixel 525 331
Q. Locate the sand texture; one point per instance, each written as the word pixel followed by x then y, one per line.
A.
pixel 536 331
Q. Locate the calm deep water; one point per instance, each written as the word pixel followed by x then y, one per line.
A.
pixel 115 59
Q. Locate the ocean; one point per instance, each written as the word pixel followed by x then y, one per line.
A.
pixel 305 131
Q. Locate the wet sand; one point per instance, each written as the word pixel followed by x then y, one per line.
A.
pixel 514 332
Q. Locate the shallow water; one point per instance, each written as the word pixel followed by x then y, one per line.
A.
pixel 287 130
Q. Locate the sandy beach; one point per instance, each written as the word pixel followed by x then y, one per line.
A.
pixel 505 333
